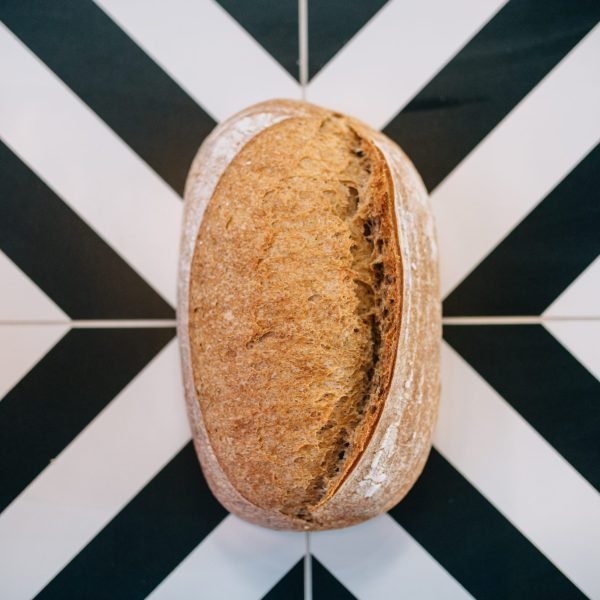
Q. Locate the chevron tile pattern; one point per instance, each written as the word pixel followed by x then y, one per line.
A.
pixel 103 106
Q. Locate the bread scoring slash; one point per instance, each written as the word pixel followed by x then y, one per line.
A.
pixel 308 317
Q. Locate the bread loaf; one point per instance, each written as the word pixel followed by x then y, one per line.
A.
pixel 308 317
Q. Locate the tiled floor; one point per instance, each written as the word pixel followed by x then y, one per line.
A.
pixel 103 106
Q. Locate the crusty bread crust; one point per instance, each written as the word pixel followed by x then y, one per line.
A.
pixel 389 443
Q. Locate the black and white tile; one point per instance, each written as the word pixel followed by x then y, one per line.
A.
pixel 103 106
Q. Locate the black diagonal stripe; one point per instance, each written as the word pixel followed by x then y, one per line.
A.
pixel 473 541
pixel 542 380
pixel 63 256
pixel 325 586
pixel 332 24
pixel 528 270
pixel 67 388
pixel 111 74
pixel 274 25
pixel 486 79
pixel 290 586
pixel 147 539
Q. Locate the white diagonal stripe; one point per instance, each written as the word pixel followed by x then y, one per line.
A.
pixel 581 298
pixel 236 561
pixel 522 475
pixel 93 478
pixel 395 54
pixel 21 299
pixel 88 165
pixel 378 556
pixel 519 163
pixel 205 51
pixel 21 347
pixel 581 339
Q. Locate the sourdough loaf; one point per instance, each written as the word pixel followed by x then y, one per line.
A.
pixel 308 317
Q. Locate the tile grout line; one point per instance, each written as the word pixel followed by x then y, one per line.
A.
pixel 514 320
pixel 303 45
pixel 100 323
pixel 308 582
pixel 157 323
pixel 303 76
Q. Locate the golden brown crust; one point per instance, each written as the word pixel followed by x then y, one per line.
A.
pixel 265 341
